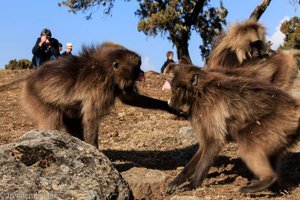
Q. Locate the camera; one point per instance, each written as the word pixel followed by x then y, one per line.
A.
pixel 48 40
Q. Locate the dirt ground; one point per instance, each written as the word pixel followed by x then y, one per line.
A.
pixel 145 138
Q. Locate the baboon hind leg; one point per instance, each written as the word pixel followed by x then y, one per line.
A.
pixel 48 119
pixel 259 164
pixel 50 122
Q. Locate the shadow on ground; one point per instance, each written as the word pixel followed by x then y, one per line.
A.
pixel 172 159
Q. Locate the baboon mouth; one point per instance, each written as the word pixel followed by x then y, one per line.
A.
pixel 141 78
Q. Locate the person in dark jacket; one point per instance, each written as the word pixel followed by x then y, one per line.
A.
pixel 68 51
pixel 168 61
pixel 46 48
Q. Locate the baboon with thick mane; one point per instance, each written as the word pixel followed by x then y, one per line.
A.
pixel 280 70
pixel 242 41
pixel 261 119
pixel 75 92
pixel 242 52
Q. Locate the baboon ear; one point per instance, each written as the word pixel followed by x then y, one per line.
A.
pixel 115 65
pixel 194 80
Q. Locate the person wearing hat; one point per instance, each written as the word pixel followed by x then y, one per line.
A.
pixel 68 52
pixel 46 48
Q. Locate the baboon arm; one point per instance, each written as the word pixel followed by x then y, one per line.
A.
pixel 90 126
pixel 186 173
pixel 211 149
pixel 197 168
pixel 142 101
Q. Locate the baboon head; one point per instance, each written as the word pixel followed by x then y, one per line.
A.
pixel 243 37
pixel 121 64
pixel 184 87
pixel 242 42
pixel 126 67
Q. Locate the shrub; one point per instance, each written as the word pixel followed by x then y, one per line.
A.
pixel 21 64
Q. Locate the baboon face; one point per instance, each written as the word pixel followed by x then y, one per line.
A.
pixel 182 86
pixel 126 67
pixel 257 49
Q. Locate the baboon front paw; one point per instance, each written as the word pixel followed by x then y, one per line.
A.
pixel 170 189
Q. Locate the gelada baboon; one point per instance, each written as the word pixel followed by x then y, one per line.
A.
pixel 242 52
pixel 242 42
pixel 261 119
pixel 280 70
pixel 75 92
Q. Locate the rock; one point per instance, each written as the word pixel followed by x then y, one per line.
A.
pixel 186 198
pixel 186 136
pixel 146 184
pixel 54 165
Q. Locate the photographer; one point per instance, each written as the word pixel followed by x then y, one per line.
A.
pixel 46 48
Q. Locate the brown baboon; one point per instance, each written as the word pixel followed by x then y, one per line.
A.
pixel 242 42
pixel 242 52
pixel 261 119
pixel 280 70
pixel 75 92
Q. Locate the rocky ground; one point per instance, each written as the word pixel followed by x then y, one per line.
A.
pixel 135 137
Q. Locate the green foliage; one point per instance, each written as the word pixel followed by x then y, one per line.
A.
pixel 21 64
pixel 89 6
pixel 291 30
pixel 178 19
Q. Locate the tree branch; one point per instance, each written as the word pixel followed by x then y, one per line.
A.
pixel 259 10
pixel 197 9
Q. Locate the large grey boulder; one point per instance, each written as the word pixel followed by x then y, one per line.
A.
pixel 54 165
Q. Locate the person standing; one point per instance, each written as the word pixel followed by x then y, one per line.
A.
pixel 46 48
pixel 169 60
pixel 170 55
pixel 68 52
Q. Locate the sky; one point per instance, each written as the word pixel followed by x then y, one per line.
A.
pixel 22 21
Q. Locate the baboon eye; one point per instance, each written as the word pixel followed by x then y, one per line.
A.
pixel 115 65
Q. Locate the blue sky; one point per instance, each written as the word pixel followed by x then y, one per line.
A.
pixel 22 21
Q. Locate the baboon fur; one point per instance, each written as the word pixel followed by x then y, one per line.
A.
pixel 234 55
pixel 73 93
pixel 236 46
pixel 263 120
pixel 280 70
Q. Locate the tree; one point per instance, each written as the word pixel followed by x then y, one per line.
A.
pixel 176 19
pixel 291 30
pixel 86 5
pixel 259 10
